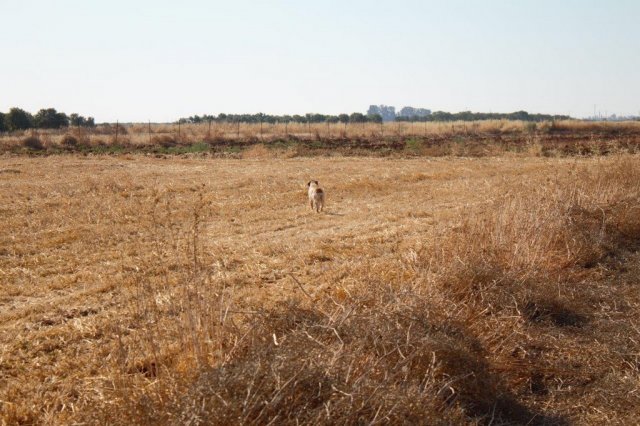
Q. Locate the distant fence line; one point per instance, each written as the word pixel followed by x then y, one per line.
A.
pixel 220 132
pixel 212 130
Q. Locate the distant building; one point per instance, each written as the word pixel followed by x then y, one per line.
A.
pixel 388 113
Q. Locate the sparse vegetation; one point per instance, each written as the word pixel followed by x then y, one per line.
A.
pixel 413 145
pixel 138 290
pixel 476 138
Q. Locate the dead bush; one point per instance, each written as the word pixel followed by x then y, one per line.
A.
pixel 33 142
pixel 165 141
pixel 69 141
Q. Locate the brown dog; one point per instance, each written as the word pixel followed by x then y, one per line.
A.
pixel 316 196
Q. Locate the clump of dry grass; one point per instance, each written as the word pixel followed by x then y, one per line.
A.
pixel 69 141
pixel 164 141
pixel 33 142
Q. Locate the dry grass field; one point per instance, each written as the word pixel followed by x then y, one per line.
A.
pixel 460 138
pixel 144 290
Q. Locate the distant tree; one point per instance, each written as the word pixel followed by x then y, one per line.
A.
pixel 18 119
pixel 357 117
pixel 374 118
pixel 74 119
pixel 413 114
pixel 49 118
pixel 318 118
pixel 77 120
pixel 268 118
pixel 465 115
pixel 2 126
pixel 519 115
pixel 343 118
pixel 441 116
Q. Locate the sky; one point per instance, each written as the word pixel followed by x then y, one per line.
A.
pixel 162 60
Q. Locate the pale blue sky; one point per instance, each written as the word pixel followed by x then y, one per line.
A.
pixel 161 60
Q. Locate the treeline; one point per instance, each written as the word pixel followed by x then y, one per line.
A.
pixel 479 116
pixel 46 118
pixel 357 117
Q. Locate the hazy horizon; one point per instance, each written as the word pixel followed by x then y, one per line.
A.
pixel 160 61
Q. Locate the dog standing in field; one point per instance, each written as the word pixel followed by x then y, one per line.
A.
pixel 316 196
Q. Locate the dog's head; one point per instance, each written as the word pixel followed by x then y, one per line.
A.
pixel 312 183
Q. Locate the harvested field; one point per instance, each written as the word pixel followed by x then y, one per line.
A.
pixel 495 290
